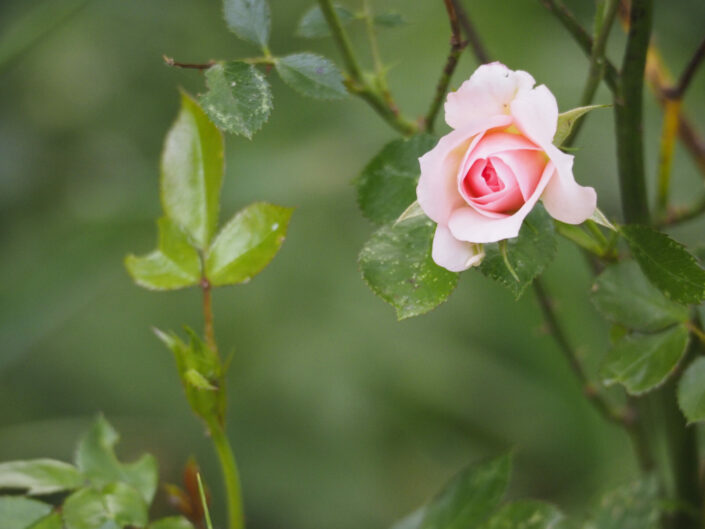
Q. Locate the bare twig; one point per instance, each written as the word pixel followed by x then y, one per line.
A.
pixel 478 48
pixel 169 61
pixel 678 91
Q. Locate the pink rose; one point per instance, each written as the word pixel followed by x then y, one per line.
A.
pixel 483 178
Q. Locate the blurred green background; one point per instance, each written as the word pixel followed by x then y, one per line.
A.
pixel 340 416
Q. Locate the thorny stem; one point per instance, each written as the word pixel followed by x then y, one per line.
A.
pixel 669 132
pixel 208 315
pixel 624 418
pixel 169 61
pixel 471 33
pixel 376 55
pixel 678 91
pixel 456 48
pixel 679 215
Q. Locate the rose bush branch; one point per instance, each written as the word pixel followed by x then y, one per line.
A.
pixel 457 45
pixel 473 37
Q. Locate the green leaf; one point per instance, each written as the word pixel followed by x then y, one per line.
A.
pixel 387 185
pixel 470 497
pixel 238 99
pixel 525 514
pixel 198 381
pixel 566 121
pixel 173 522
pixel 412 521
pixel 192 173
pixel 666 263
pixel 207 403
pixel 313 24
pixel 396 263
pixel 528 254
pixel 18 512
pixel 389 20
pixel 248 19
pixel 623 295
pixel 115 506
pixel 311 75
pixel 691 391
pixel 95 457
pixel 642 362
pixel 247 243
pixel 51 521
pixel 634 506
pixel 39 476
pixel 174 264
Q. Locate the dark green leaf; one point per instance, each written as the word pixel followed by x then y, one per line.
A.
pixel 389 20
pixel 691 391
pixel 387 185
pixel 634 506
pixel 248 19
pixel 470 497
pixel 173 522
pixel 311 75
pixel 115 506
pixel 95 457
pixel 566 121
pixel 207 402
pixel 642 362
pixel 18 512
pixel 51 521
pixel 528 254
pixel 238 99
pixel 623 295
pixel 192 173
pixel 313 24
pixel 174 264
pixel 526 514
pixel 39 476
pixel 396 263
pixel 666 263
pixel 247 243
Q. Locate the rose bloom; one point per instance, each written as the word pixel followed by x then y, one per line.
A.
pixel 483 178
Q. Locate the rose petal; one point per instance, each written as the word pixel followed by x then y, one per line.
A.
pixel 488 92
pixel 527 167
pixel 566 200
pixel 452 254
pixel 535 114
pixel 466 224
pixel 437 191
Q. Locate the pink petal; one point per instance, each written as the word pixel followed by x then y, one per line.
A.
pixel 536 114
pixel 566 200
pixel 488 92
pixel 527 167
pixel 466 224
pixel 452 254
pixel 437 191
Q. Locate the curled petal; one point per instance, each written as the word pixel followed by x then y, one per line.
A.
pixel 566 200
pixel 452 254
pixel 535 114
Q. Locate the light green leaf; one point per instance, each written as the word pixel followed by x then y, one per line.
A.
pixel 634 506
pixel 238 99
pixel 387 185
pixel 691 391
pixel 18 512
pixel 311 75
pixel 414 210
pixel 525 514
pixel 567 119
pixel 411 521
pixel 528 254
pixel 247 243
pixel 666 263
pixel 173 522
pixel 248 19
pixel 642 362
pixel 95 457
pixel 470 497
pixel 396 263
pixel 115 506
pixel 174 264
pixel 192 173
pixel 389 20
pixel 51 521
pixel 313 24
pixel 39 476
pixel 207 403
pixel 600 218
pixel 198 381
pixel 623 295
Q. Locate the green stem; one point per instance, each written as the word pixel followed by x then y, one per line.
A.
pixel 374 48
pixel 231 477
pixel 341 39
